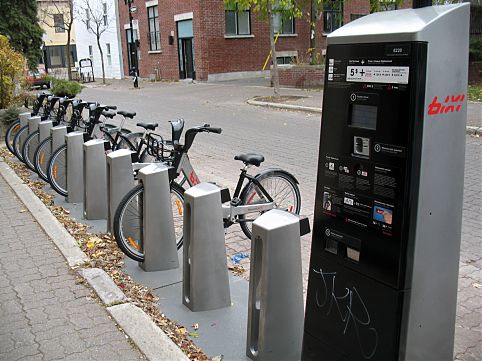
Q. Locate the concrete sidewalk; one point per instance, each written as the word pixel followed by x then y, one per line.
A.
pixel 45 314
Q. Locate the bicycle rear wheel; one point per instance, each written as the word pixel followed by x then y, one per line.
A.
pixel 28 150
pixel 10 135
pixel 128 220
pixel 19 140
pixel 57 170
pixel 41 158
pixel 280 186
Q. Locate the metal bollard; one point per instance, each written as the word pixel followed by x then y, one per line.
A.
pixel 75 170
pixel 44 130
pixel 275 306
pixel 33 123
pixel 159 238
pixel 95 179
pixel 58 136
pixel 24 117
pixel 120 180
pixel 205 273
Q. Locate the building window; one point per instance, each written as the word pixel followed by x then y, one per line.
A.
pixel 332 15
pixel 285 60
pixel 104 7
pixel 237 22
pixel 87 19
pixel 283 25
pixel 109 56
pixel 91 53
pixel 59 23
pixel 154 36
pixel 56 56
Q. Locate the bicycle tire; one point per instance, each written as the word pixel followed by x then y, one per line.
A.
pixel 10 135
pixel 129 236
pixel 41 158
pixel 248 195
pixel 28 150
pixel 128 141
pixel 17 147
pixel 57 170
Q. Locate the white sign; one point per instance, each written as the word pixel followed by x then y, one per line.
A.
pixel 377 74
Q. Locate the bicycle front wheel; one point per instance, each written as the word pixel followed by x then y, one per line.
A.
pixel 28 150
pixel 10 135
pixel 129 217
pixel 41 158
pixel 280 186
pixel 57 170
pixel 18 141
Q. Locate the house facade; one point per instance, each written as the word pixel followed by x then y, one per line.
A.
pixel 201 39
pixel 105 11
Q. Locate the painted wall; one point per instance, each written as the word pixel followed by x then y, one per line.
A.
pixel 85 38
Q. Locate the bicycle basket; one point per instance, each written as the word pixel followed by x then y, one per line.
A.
pixel 156 147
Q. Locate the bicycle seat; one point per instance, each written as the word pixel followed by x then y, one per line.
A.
pixel 250 158
pixel 108 114
pixel 148 126
pixel 127 114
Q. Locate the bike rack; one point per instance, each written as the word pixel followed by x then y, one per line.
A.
pixel 24 117
pixel 159 238
pixel 44 130
pixel 120 180
pixel 33 126
pixel 275 305
pixel 75 170
pixel 205 273
pixel 95 179
pixel 58 136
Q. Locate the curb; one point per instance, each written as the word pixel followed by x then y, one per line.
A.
pixel 284 106
pixel 147 336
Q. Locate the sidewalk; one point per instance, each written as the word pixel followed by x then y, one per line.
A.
pixel 45 314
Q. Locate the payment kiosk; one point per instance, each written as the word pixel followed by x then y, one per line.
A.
pixel 387 222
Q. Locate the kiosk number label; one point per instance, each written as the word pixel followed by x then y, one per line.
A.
pixel 377 74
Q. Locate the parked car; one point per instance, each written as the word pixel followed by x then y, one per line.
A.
pixel 37 78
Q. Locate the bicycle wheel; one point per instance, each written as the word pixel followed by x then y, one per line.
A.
pixel 280 186
pixel 129 141
pixel 10 135
pixel 28 150
pixel 57 170
pixel 41 158
pixel 128 220
pixel 18 141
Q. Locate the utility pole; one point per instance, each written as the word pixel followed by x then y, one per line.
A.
pixel 134 64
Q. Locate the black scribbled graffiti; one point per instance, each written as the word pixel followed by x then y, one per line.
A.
pixel 326 298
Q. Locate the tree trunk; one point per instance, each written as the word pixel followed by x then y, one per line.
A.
pixel 67 51
pixel 274 68
pixel 101 58
pixel 313 18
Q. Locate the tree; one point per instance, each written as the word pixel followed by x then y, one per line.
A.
pixel 12 64
pixel 22 15
pixel 267 9
pixel 97 18
pixel 59 14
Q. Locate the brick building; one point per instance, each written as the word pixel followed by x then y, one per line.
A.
pixel 200 39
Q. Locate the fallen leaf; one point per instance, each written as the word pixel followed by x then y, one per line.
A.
pixel 477 285
pixel 194 334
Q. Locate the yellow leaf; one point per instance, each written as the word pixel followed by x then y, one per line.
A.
pixel 90 245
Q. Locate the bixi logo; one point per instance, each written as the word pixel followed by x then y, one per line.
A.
pixel 452 104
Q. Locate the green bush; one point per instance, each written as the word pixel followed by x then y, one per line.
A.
pixel 10 115
pixel 61 88
pixel 475 49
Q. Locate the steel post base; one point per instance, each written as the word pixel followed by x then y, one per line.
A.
pixel 75 170
pixel 95 180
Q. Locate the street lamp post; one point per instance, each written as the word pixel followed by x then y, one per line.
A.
pixel 134 65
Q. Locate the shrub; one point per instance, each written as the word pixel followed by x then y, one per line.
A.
pixel 475 49
pixel 10 115
pixel 12 65
pixel 61 88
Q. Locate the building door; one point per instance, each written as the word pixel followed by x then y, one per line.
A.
pixel 131 51
pixel 187 68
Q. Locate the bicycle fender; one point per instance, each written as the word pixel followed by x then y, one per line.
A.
pixel 270 170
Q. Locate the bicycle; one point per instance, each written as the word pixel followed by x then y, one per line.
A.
pixel 116 136
pixel 14 127
pixel 271 188
pixel 50 112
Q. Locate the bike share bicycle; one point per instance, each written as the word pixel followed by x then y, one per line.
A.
pixel 271 188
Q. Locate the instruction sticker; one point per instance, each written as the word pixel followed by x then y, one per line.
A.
pixel 377 74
